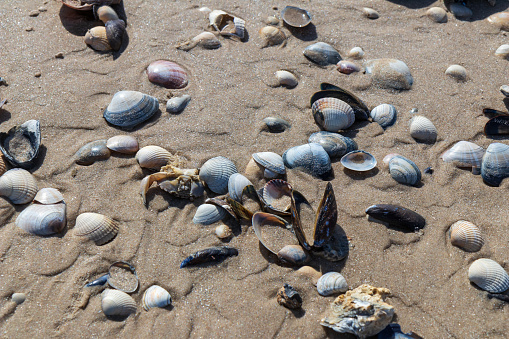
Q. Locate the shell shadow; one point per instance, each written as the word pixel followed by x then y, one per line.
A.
pixel 307 33
pixel 40 158
pixel 117 318
pixel 298 313
pixel 481 9
pixel 330 333
pixel 354 129
pixel 355 175
pixel 390 226
pixel 120 10
pixel 77 22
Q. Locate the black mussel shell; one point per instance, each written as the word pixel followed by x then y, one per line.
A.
pixel 493 112
pixel 21 144
pixel 397 216
pixel 393 331
pixel 360 109
pixel 288 297
pixel 326 217
pixel 114 32
pixel 497 126
pixel 212 254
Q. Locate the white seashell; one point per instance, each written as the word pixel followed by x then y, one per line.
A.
pixel 276 194
pixel 236 184
pixel 437 14
pixel 272 162
pixel 216 172
pixel 128 109
pixel 272 36
pixel 96 227
pixel 466 236
pixel 384 115
pixel 286 78
pixel 356 53
pixel 205 9
pixel 18 185
pixel 331 283
pixel 207 40
pixel 177 104
pixel 155 296
pixel 310 157
pixel 18 298
pixel 117 303
pixel 153 157
pixel 457 72
pixel 334 144
pixel 422 129
pixel 504 89
pixel 495 164
pixel 464 154
pixel 388 158
pixel 390 73
pixel 489 275
pixel 223 231
pixel 208 214
pixel 370 13
pixel 404 170
pixel 359 161
pixel 333 114
pixel 48 196
pixel 124 144
pixel 502 51
pixel 43 219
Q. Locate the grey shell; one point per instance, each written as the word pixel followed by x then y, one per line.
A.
pixel 130 108
pixel 311 157
pixel 177 104
pixel 271 161
pixel 322 54
pixel 389 73
pixel 331 283
pixel 216 172
pixel 384 115
pixel 42 219
pixel 489 275
pixel 404 170
pixel 334 144
pixel 208 214
pixel 236 185
pixel 464 153
pixel 495 164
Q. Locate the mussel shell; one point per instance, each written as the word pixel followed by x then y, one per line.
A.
pixel 43 219
pixel 384 115
pixel 404 170
pixel 495 164
pixel 497 126
pixel 114 32
pixel 311 157
pixel 331 283
pixel 21 144
pixel 397 216
pixel 359 161
pixel 18 185
pixel 389 73
pixel 295 16
pixel 288 297
pixel 48 196
pixel 334 144
pixel 466 236
pixel 124 144
pixel 127 109
pixel 167 74
pixel 271 161
pixel 92 152
pixel 422 129
pixel 330 91
pixel 464 154
pixel 236 184
pixel 322 54
pixel 97 227
pixel 216 172
pixel 489 275
pixel 207 214
pixel 332 114
pixel 117 303
pixel 155 296
pixel 211 254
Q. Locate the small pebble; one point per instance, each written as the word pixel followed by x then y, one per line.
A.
pixel 42 9
pixel 505 90
pixel 29 29
pixel 288 297
pixel 272 20
pixel 37 74
pixel 19 298
pixel 34 13
pixel 370 13
pixel 414 110
pixel 437 14
pixel 456 71
pixel 59 55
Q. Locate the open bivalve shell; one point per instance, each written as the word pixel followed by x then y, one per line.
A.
pixel 277 196
pixel 359 161
pixel 331 283
pixel 489 275
pixel 96 227
pixel 122 276
pixel 155 296
pixel 295 16
pixel 332 91
pixel 227 24
pixel 18 185
pixel 466 236
pixel 216 172
pixel 21 144
pixel 128 109
pixel 117 303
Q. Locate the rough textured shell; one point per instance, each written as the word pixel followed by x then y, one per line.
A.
pixel 130 108
pixel 286 78
pixel 167 74
pixel 18 185
pixel 437 14
pixel 21 144
pixel 464 153
pixel 334 144
pixel 500 19
pixel 272 36
pixel 489 275
pixel 92 152
pixel 48 196
pixel 322 54
pixel 155 296
pixel 358 161
pixel 295 16
pixel 389 73
pixel 97 39
pixel 177 104
pixel 96 227
pixel 293 254
pixel 422 129
pixel 311 157
pixel 466 236
pixel 216 172
pixel 271 161
pixel 404 170
pixel 333 114
pixel 117 303
pixel 331 283
pixel 236 184
pixel 3 166
pixel 153 157
pixel 495 164
pixel 42 219
pixel 384 115
pixel 207 214
pixel 125 144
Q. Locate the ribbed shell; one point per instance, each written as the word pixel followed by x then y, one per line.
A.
pixel 43 219
pixel 117 303
pixel 464 153
pixel 124 144
pixel 130 108
pixel 334 144
pixel 18 185
pixel 384 115
pixel 404 170
pixel 489 275
pixel 322 54
pixel 331 283
pixel 3 165
pixel 422 129
pixel 272 36
pixel 153 157
pixel 389 73
pixel 333 114
pixel 216 172
pixel 155 296
pixel 48 196
pixel 466 236
pixel 236 185
pixel 311 157
pixel 96 227
pixel 276 194
pixel 207 214
pixel 271 161
pixel 495 164
pixel 167 74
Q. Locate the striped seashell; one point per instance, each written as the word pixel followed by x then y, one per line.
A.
pixel 359 161
pixel 277 195
pixel 502 51
pixel 167 74
pixel 312 158
pixel 236 184
pixel 155 296
pixel 124 144
pixel 272 162
pixel 466 236
pixel 332 114
pixel 293 254
pixel 322 54
pixel 422 129
pixel 128 109
pixel 384 115
pixel 216 172
pixel 153 157
pixel 3 165
pixel 48 196
pixel 489 275
pixel 334 144
pixel 92 152
pixel 236 29
pixel 464 154
pixel 223 231
pixel 389 73
pixel 96 227
pixel 18 185
pixel 331 283
pixel 207 214
pixel 272 36
pixel 495 164
pixel 500 20
pixel 286 78
pixel 404 170
pixel 117 303
pixel 43 219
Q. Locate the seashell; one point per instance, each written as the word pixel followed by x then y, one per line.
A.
pixel 288 297
pixel 489 275
pixel 286 78
pixel 355 53
pixel 295 16
pixel 460 11
pixel 223 231
pixel 97 39
pixel 43 219
pixel 312 158
pixel 502 51
pixel 457 72
pixel 272 20
pixel 504 89
pixel 211 254
pixel 333 114
pixel 272 163
pixel 310 272
pixel 273 232
pixel 388 158
pixel 500 20
pixel 465 154
pixel 331 283
pixel 101 281
pixel 332 91
pixel 177 104
pixel 466 236
pixel 155 296
pixel 347 67
pixel 86 5
pixel 207 40
pixel 277 195
pixel 96 227
pixel 389 73
pixel 92 152
pixel 272 36
pixel 124 144
pixel 322 54
pixel 115 30
pixel 495 164
pixel 18 298
pixel 359 161
pixel 370 13
pixel 384 115
pixel 396 216
pixel 105 13
pixel 404 170
pixel 498 125
pixel 276 125
pixel 48 196
pixel 117 303
pixel 153 157
pixel 128 109
pixel 334 144
pixel 20 145
pixel 3 166
pixel 422 129
pixel 227 24
pixel 437 14
pixel 216 172
pixel 167 74
pixel 236 184
pixel 18 185
pixel 123 277
pixel 208 214
pixel 293 254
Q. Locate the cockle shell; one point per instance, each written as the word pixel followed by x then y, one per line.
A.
pixel 167 74
pixel 96 38
pixel 466 236
pixel 177 104
pixel 3 166
pixel 272 36
pixel 502 51
pixel 272 162
pixel 92 152
pixel 500 20
pixel 489 275
pixel 422 129
pixel 359 161
pixel 48 196
pixel 331 283
pixel 464 154
pixel 495 164
pixel 347 67
pixel 21 144
pixel 236 184
pixel 389 73
pixel 295 16
pixel 96 227
pixel 127 109
pixel 312 158
pixel 216 172
pixel 117 303
pixel 43 219
pixel 124 144
pixel 404 170
pixel 277 195
pixel 334 144
pixel 18 185
pixel 286 78
pixel 437 14
pixel 333 114
pixel 207 214
pixel 322 54
pixel 384 115
pixel 332 91
pixel 153 157
pixel 155 296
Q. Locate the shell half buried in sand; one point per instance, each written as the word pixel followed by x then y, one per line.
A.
pixel 466 236
pixel 99 228
pixel 331 283
pixel 18 185
pixel 216 172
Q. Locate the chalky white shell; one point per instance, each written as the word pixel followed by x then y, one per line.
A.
pixel 466 236
pixel 117 303
pixel 223 231
pixel 286 78
pixel 437 14
pixel 96 227
pixel 457 72
pixel 155 296
pixel 48 195
pixel 272 162
pixel 18 185
pixel 464 154
pixel 384 115
pixel 331 283
pixel 216 172
pixel 422 129
pixel 502 51
pixel 489 275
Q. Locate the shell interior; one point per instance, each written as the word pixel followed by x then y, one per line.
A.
pixel 359 161
pixel 20 145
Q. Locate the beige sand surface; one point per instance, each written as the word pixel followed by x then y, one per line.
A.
pixel 427 276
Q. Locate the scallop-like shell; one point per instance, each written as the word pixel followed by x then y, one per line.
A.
pixel 334 144
pixel 502 51
pixel 21 144
pixel 105 13
pixel 322 54
pixel 389 73
pixel 153 157
pixel 333 114
pixel 117 303
pixel 437 14
pixel 96 227
pixel 384 115
pixel 18 185
pixel 295 16
pixel 207 214
pixel 466 236
pixel 404 170
pixel 43 219
pixel 286 78
pixel 464 154
pixel 293 254
pixel 495 164
pixel 347 67
pixel 312 158
pixel 92 152
pixel 48 196
pixel 359 161
pixel 177 104
pixel 236 184
pixel 277 195
pixel 272 162
pixel 422 129
pixel 272 36
pixel 216 172
pixel 97 39
pixel 130 108
pixel 155 296
pixel 223 231
pixel 331 283
pixel 124 144
pixel 167 74
pixel 489 275
pixel 457 72
pixel 500 19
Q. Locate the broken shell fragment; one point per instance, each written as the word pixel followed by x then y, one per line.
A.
pixel 97 227
pixel 124 144
pixel 20 145
pixel 3 166
pixel 117 303
pixel 272 36
pixel 331 283
pixel 311 273
pixel 359 161
pixel 207 40
pixel 423 130
pixel 227 24
pixel 167 74
pixel 466 236
pixel 216 172
pixel 155 296
pixel 322 54
pixel 498 125
pixel 397 216
pixel 128 109
pixel 334 144
pixel 87 5
pixel 288 297
pixel 295 16
pixel 177 104
pixel 92 152
pixel 18 185
pixel 489 275
pixel 500 20
pixel 389 73
pixel 286 78
pixel 272 163
pixel 123 277
pixel 223 231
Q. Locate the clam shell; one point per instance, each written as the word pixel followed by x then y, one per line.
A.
pixel 48 196
pixel 216 172
pixel 92 152
pixel 489 275
pixel 124 144
pixel 105 13
pixel 495 164
pixel 500 19
pixel 272 162
pixel 223 231
pixel 331 283
pixel 273 232
pixel 437 14
pixel 322 54
pixel 466 236
pixel 272 36
pixel 384 115
pixel 18 298
pixel 359 161
pixel 355 53
pixel 117 303
pixel 404 170
pixel 293 254
pixel 167 74
pixel 502 51
pixel 155 296
pixel 311 157
pixel 333 114
pixel 97 39
pixel 236 184
pixel 277 195
pixel 504 89
pixel 114 33
pixel 457 72
pixel 207 40
pixel 153 157
pixel 130 108
pixel 18 185
pixel 389 73
pixel 43 219
pixel 177 104
pixel 122 276
pixel 464 154
pixel 286 78
pixel 276 125
pixel 422 129
pixel 207 214
pixel 347 67
pixel 295 16
pixel 334 144
pixel 21 144
pixel 370 13
pixel 96 227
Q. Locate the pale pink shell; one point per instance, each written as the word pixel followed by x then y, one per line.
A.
pixel 167 74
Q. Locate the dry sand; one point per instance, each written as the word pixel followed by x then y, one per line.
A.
pixel 427 276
